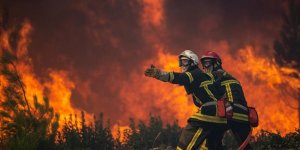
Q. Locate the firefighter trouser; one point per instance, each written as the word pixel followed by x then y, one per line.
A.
pixel 192 137
pixel 214 139
pixel 195 137
pixel 240 131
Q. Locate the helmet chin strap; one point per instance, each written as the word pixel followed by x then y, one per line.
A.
pixel 209 69
pixel 188 67
pixel 184 68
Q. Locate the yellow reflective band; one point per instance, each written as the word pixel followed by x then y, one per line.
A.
pixel 229 93
pixel 171 76
pixel 190 76
pixel 207 118
pixel 211 95
pixel 197 99
pixel 230 82
pixel 178 148
pixel 205 83
pixel 203 146
pixel 211 76
pixel 192 143
pixel 239 116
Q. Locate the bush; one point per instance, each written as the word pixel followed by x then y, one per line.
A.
pixel 269 140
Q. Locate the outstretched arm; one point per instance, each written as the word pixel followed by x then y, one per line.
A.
pixel 158 74
pixel 172 77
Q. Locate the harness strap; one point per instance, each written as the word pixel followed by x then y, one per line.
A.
pixel 214 103
pixel 241 106
pixel 210 103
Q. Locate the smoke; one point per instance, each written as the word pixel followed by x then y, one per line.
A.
pixel 195 23
pixel 105 45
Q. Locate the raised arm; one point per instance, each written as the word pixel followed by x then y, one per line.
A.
pixel 172 77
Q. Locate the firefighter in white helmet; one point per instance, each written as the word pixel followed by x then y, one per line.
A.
pixel 204 92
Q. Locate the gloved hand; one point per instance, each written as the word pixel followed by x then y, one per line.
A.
pixel 152 72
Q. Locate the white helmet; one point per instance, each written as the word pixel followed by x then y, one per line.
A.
pixel 190 55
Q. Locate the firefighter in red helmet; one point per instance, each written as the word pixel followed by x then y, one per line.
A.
pixel 204 92
pixel 235 103
pixel 211 61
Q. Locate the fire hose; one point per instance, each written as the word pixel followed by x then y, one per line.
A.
pixel 247 140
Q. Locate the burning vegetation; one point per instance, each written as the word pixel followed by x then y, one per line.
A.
pixel 43 103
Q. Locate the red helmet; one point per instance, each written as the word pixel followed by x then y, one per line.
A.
pixel 211 55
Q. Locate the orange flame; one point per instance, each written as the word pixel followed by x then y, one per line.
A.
pixel 59 85
pixel 263 82
pixel 265 85
pixel 118 132
pixel 266 89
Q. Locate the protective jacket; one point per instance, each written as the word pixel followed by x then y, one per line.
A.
pixel 204 92
pixel 232 90
pixel 239 121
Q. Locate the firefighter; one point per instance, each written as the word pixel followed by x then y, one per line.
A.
pixel 204 93
pixel 235 102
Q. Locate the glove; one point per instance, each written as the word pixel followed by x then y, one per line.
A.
pixel 152 72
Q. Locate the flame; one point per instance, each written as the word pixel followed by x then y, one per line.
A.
pixel 151 96
pixel 265 86
pixel 163 99
pixel 118 132
pixel 61 90
pixel 266 89
pixel 59 86
pixel 178 101
pixel 263 81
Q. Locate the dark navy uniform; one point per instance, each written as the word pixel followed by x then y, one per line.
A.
pixel 233 92
pixel 205 92
pixel 232 89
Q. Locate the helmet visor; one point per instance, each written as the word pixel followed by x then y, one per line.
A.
pixel 184 61
pixel 206 63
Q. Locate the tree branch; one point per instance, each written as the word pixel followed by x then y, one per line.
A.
pixel 22 88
